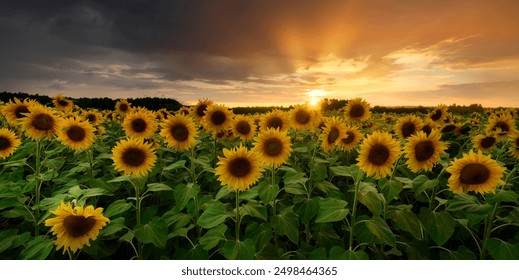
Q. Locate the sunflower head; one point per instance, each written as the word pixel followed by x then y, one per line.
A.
pixel 140 123
pixel 357 109
pixel 41 123
pixel 333 132
pixel 134 157
pixel 352 136
pixel 502 124
pixel 238 169
pixel 8 143
pixel 475 172
pixel 198 112
pixel 16 110
pixel 273 147
pixel 423 151
pixel 243 127
pixel 302 117
pixel 185 111
pixel 484 142
pixel 275 119
pixel 76 134
pixel 407 126
pixel 62 103
pixel 123 107
pixel 378 153
pixel 514 148
pixel 75 227
pixel 93 117
pixel 438 114
pixel 217 118
pixel 180 132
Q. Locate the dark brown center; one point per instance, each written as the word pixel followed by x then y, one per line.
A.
pixel 19 110
pixel 275 122
pixel 448 128
pixel 218 117
pixel 5 143
pixel 77 226
pixel 357 111
pixel 333 135
pixel 302 117
pixel 427 129
pixel 239 167
pixel 474 174
pixel 488 142
pixel 123 107
pixel 424 150
pixel 43 122
pixel 76 133
pixel 200 110
pixel 437 115
pixel 243 127
pixel 408 129
pixel 139 125
pixel 273 147
pixel 91 118
pixel 350 138
pixel 378 154
pixel 63 102
pixel 134 157
pixel 503 126
pixel 179 132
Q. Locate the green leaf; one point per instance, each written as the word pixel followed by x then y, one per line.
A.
pixel 319 172
pixel 158 187
pixel 390 188
pixel 153 232
pixel 94 192
pixel 286 223
pixel 503 196
pixel 406 220
pixel 55 163
pixel 123 178
pixel 6 238
pixel 261 233
pixel 378 227
pixel 342 171
pixel 327 187
pixel 422 183
pixel 318 254
pixel 267 192
pixel 331 210
pixel 114 226
pixel 338 253
pixel 439 225
pixel 117 207
pixel 468 204
pixel 501 250
pixel 239 250
pixel 223 192
pixel 369 197
pixel 306 208
pixel 98 183
pixel 254 208
pixel 213 236
pixel 295 183
pixel 213 216
pixel 14 163
pixel 183 193
pixel 37 249
pixel 175 165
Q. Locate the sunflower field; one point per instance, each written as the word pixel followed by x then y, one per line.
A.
pixel 203 183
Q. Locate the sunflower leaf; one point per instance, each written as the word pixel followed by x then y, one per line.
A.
pixel 37 249
pixel 117 207
pixel 158 187
pixel 406 220
pixel 213 236
pixel 155 232
pixel 239 250
pixel 267 192
pixel 378 227
pixel 175 165
pixel 338 253
pixel 183 193
pixel 213 216
pixel 331 210
pixel 286 223
pixel 439 225
pixel 501 250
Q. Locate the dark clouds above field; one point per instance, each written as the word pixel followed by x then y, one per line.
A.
pixel 265 52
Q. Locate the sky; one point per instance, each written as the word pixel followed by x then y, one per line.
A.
pixel 265 52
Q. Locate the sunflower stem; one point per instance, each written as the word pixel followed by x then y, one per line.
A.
pixel 489 222
pixel 38 187
pixel 354 211
pixel 238 215
pixel 433 195
pixel 90 155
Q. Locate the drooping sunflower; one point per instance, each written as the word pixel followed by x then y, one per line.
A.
pixel 8 143
pixel 484 142
pixel 475 172
pixel 76 134
pixel 407 126
pixel 93 117
pixel 351 139
pixel 217 118
pixel 41 123
pixel 62 103
pixel 239 168
pixel 243 127
pixel 514 148
pixel 357 109
pixel 276 119
pixel 423 151
pixel 428 126
pixel 75 227
pixel 302 117
pixel 502 124
pixel 378 153
pixel 134 157
pixel 333 132
pixel 273 147
pixel 198 112
pixel 16 110
pixel 140 123
pixel 438 114
pixel 123 107
pixel 180 132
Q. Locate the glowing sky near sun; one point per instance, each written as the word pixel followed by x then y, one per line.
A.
pixel 246 53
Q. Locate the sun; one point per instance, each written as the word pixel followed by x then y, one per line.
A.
pixel 315 96
pixel 314 101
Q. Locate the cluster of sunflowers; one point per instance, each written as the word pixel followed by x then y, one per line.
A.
pixel 265 142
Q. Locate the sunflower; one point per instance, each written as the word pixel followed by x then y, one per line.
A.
pixel 75 227
pixel 217 118
pixel 351 139
pixel 484 142
pixel 140 123
pixel 302 117
pixel 198 112
pixel 76 134
pixel 239 168
pixel 243 127
pixel 514 149
pixel 134 157
pixel 423 151
pixel 276 119
pixel 428 126
pixel 502 124
pixel 180 132
pixel 334 131
pixel 378 153
pixel 8 143
pixel 273 147
pixel 122 107
pixel 357 110
pixel 475 172
pixel 62 103
pixel 41 123
pixel 183 111
pixel 407 126
pixel 93 117
pixel 15 111
pixel 438 114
